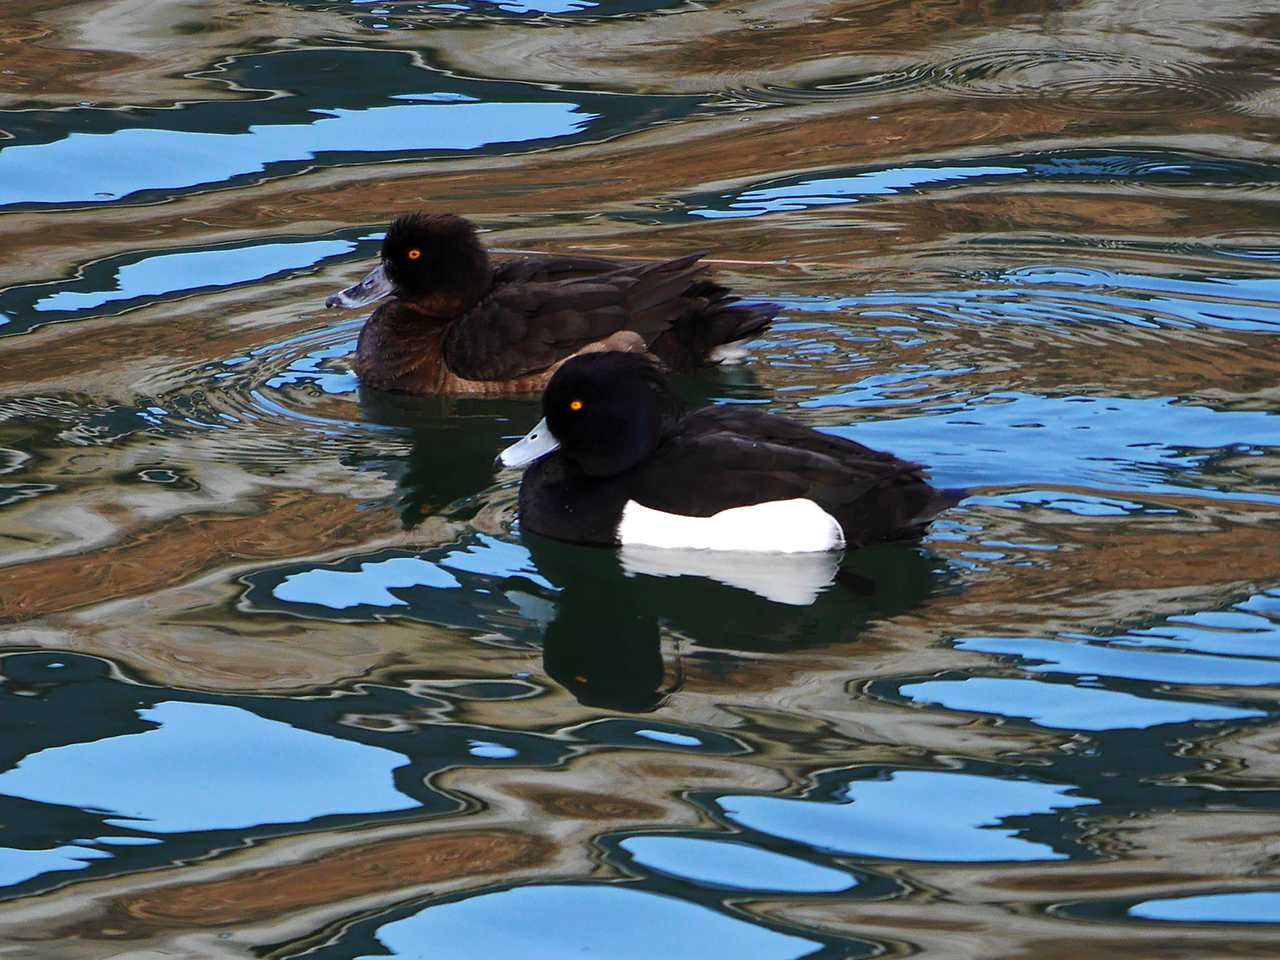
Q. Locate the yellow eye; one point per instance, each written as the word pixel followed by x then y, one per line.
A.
pixel 575 405
pixel 414 254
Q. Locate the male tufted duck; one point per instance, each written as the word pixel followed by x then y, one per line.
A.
pixel 618 461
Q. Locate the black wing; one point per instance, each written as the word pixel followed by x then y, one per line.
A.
pixel 523 328
pixel 727 457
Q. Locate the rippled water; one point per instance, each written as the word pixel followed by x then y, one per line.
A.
pixel 280 676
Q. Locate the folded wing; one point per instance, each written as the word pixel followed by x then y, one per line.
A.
pixel 526 327
pixel 726 457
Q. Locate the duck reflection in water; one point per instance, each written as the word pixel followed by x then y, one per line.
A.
pixel 625 620
pixel 451 444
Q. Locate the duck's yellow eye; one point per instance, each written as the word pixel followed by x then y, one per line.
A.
pixel 575 405
pixel 414 254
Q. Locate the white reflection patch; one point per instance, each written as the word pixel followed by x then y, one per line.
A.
pixel 793 578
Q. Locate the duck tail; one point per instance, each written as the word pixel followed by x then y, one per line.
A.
pixel 713 327
pixel 738 321
pixel 939 500
pixel 899 507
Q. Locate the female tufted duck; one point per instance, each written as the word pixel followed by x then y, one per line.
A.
pixel 457 325
pixel 619 462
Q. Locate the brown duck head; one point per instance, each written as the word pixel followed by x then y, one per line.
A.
pixel 434 260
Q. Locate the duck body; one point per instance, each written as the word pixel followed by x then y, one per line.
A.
pixel 640 471
pixel 456 324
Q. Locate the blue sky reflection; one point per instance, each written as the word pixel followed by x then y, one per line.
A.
pixel 84 167
pixel 554 922
pixel 1062 706
pixel 212 767
pixel 913 815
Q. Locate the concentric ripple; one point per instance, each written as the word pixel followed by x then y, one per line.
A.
pixel 845 88
pixel 1091 81
pixel 1077 80
pixel 280 403
pixel 266 401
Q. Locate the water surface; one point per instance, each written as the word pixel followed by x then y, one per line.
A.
pixel 281 675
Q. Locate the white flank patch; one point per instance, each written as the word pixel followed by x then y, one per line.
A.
pixel 728 354
pixel 795 578
pixel 781 526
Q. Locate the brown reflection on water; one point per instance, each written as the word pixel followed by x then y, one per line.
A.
pixel 131 52
pixel 177 551
pixel 107 357
pixel 1115 574
pixel 33 59
pixel 1247 758
pixel 378 868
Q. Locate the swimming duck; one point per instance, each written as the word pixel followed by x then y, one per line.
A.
pixel 616 460
pixel 455 324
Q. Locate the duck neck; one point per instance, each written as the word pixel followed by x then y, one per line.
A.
pixel 401 347
pixel 630 443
